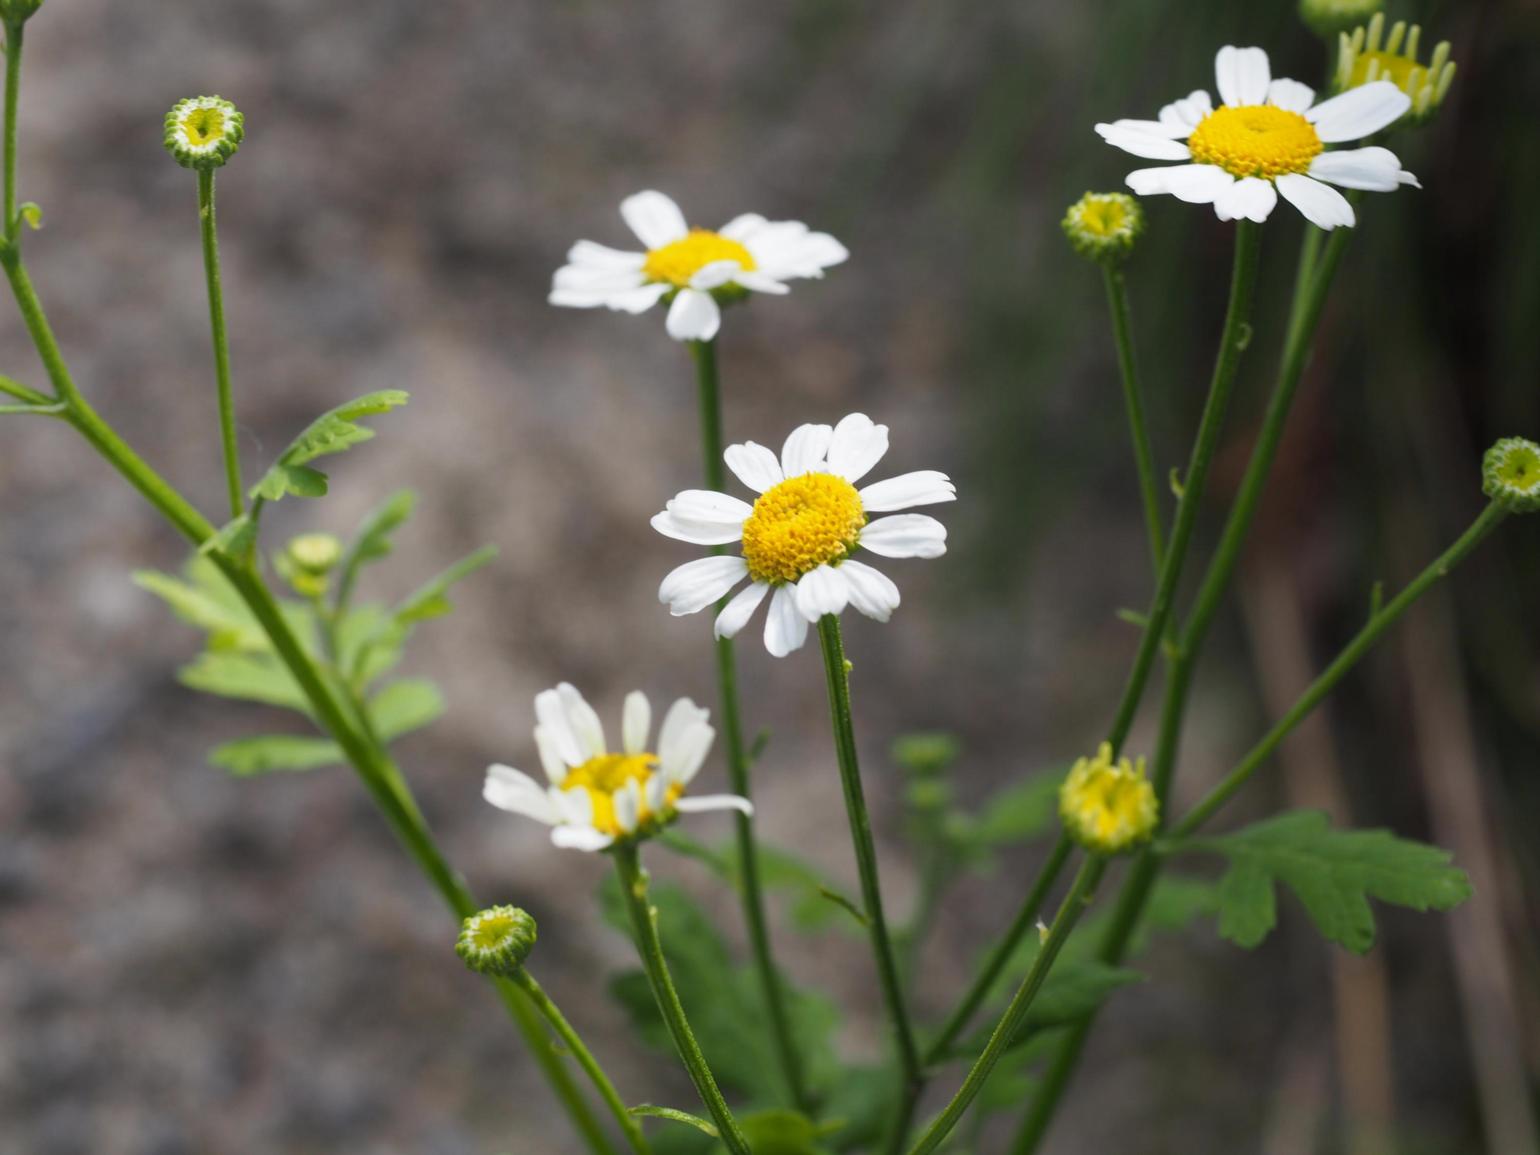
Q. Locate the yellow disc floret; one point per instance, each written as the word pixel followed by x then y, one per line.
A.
pixel 801 524
pixel 1108 806
pixel 675 263
pixel 603 777
pixel 1255 140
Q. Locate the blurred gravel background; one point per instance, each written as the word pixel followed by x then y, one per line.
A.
pixel 191 963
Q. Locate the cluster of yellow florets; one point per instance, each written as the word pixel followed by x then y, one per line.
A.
pixel 801 524
pixel 1108 806
pixel 1372 53
pixel 677 262
pixel 1510 474
pixel 204 131
pixel 1104 226
pixel 1255 140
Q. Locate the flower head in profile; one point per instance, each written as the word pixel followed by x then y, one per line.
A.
pixel 799 535
pixel 1369 55
pixel 595 796
pixel 204 131
pixel 1267 139
pixel 695 270
pixel 1108 806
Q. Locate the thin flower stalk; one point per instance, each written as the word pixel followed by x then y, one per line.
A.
pixel 210 234
pixel 1133 400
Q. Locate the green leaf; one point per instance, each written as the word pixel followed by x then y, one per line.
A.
pixel 368 643
pixel 432 600
pixel 1072 990
pixel 332 432
pixel 1021 812
pixel 1333 873
pixel 404 706
pixel 781 1132
pixel 249 757
pixel 647 1110
pixel 373 540
pixel 235 539
pixel 230 627
pixel 248 677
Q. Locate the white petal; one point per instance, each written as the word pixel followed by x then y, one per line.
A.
pixel 628 806
pixel 584 720
pixel 709 507
pixel 1375 169
pixel 602 256
pixel 822 591
pixel 857 445
pixel 715 274
pixel 1180 117
pixel 1359 112
pixel 551 759
pixel 1145 144
pixel 1171 129
pixel 681 761
pixel 695 532
pixel 683 717
pixel 576 806
pixel 694 316
pixel 787 249
pixel 580 838
pixel 1290 94
pixel 697 584
pixel 761 282
pixel 922 487
pixel 1242 75
pixel 1322 205
pixel 597 279
pixel 736 613
pixel 905 535
pixel 707 802
pixel 1197 184
pixel 871 591
pixel 656 793
pixel 1250 198
pixel 637 300
pixel 514 791
pixel 635 722
pixel 742 227
pixel 785 628
pixel 805 449
pixel 654 218
pixel 755 465
pixel 552 716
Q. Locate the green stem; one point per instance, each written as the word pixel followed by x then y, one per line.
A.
pixel 983 982
pixel 1138 428
pixel 838 677
pixel 12 226
pixel 751 891
pixel 585 1059
pixel 23 393
pixel 221 342
pixel 1004 1035
pixel 633 889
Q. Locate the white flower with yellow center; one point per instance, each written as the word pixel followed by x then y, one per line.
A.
pixel 595 796
pixel 696 270
pixel 1267 139
pixel 800 533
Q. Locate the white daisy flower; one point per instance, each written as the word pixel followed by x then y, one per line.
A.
pixel 594 796
pixel 800 533
pixel 696 270
pixel 1267 138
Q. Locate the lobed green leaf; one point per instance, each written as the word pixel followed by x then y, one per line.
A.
pixel 332 432
pixel 248 757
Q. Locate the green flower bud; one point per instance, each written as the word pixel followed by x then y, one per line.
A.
pixel 18 12
pixel 496 941
pixel 925 753
pixel 1329 18
pixel 1106 806
pixel 1510 474
pixel 203 131
pixel 1370 54
pixel 307 560
pixel 1104 226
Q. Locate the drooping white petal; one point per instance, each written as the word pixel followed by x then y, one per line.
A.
pixel 681 761
pixel 1180 117
pixel 551 760
pixel 656 793
pixel 786 249
pixel 635 722
pixel 695 532
pixel 637 300
pixel 709 507
pixel 736 613
pixel 654 218
pixel 805 449
pixel 822 591
pixel 1170 130
pixel 1242 75
pixel 1376 169
pixel 602 256
pixel 694 316
pixel 1322 205
pixel 755 465
pixel 1197 184
pixel 1359 112
pixel 742 227
pixel 785 627
pixel 715 274
pixel 1250 198
pixel 761 282
pixel 697 584
pixel 857 445
pixel 597 278
pixel 628 806
pixel 576 806
pixel 552 718
pixel 584 720
pixel 581 838
pixel 682 717
pixel 922 487
pixel 704 802
pixel 1290 94
pixel 1145 144
pixel 905 535
pixel 872 592
pixel 514 791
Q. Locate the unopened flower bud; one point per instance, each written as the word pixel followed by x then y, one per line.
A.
pixel 925 754
pixel 1510 475
pixel 1328 18
pixel 18 12
pixel 203 131
pixel 307 560
pixel 1104 226
pixel 1106 806
pixel 496 941
pixel 1370 53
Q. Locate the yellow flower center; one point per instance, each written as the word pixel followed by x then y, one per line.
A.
pixel 1255 140
pixel 1108 805
pixel 1391 66
pixel 608 774
pixel 1521 470
pixel 801 524
pixel 1102 216
pixel 490 931
pixel 203 126
pixel 678 261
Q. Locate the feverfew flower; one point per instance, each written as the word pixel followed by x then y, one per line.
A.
pixel 496 941
pixel 596 797
pixel 1510 474
pixel 800 533
pixel 1106 806
pixel 204 131
pixel 695 270
pixel 1268 138
pixel 1104 226
pixel 1369 54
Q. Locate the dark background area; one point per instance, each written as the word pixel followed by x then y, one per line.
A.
pixel 194 963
